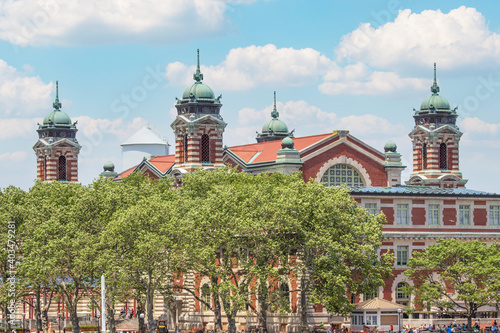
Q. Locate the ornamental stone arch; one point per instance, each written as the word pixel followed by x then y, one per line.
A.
pixel 347 161
pixel 400 278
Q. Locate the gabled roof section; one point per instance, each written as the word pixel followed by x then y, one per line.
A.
pixel 159 166
pixel 145 136
pixel 267 151
pixel 59 142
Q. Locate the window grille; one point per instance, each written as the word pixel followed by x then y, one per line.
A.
pixel 443 157
pixel 185 148
pixel 494 215
pixel 62 168
pixel 371 208
pixel 424 156
pixel 433 214
pixel 44 177
pixel 205 148
pixel 402 214
pixel 342 174
pixel 402 255
pixel 464 214
pixel 401 293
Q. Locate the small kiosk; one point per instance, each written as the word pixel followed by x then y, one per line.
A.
pixel 376 313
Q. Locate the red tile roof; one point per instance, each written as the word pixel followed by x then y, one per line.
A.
pixel 266 151
pixel 125 173
pixel 163 163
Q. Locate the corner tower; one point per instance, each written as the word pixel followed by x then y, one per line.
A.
pixel 198 127
pixel 57 148
pixel 436 140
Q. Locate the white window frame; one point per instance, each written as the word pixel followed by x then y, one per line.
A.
pixel 494 215
pixel 399 262
pixel 462 209
pixel 371 207
pixel 433 214
pixel 400 208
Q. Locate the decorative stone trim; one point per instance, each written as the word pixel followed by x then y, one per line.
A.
pixel 345 160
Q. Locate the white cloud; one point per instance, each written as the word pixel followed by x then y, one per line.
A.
pixel 13 157
pixel 310 120
pixel 76 22
pixel 476 125
pixel 18 127
pixel 457 38
pixel 21 93
pixel 94 130
pixel 248 67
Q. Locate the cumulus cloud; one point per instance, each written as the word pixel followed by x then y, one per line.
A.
pixel 21 93
pixel 248 67
pixel 17 127
pixel 309 120
pixel 95 129
pixel 76 22
pixel 476 125
pixel 13 157
pixel 458 38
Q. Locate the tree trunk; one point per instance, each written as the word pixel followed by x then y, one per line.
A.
pixel 264 306
pixel 110 317
pixel 45 318
pixel 140 309
pixel 6 313
pixel 303 305
pixel 38 311
pixel 217 309
pixel 231 321
pixel 469 323
pixel 75 323
pixel 150 306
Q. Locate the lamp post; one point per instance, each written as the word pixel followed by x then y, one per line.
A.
pixel 24 315
pixel 399 320
pixel 59 315
pixel 98 315
pixel 141 316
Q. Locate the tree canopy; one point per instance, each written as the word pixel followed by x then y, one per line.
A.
pixel 456 276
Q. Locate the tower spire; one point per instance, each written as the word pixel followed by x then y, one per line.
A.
pixel 198 76
pixel 435 87
pixel 57 105
pixel 275 114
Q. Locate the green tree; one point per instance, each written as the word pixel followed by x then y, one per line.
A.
pixel 146 238
pixel 12 218
pixel 457 277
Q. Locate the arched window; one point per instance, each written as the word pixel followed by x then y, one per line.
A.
pixel 402 295
pixel 44 177
pixel 205 296
pixel 285 295
pixel 342 174
pixel 443 157
pixel 424 156
pixel 205 148
pixel 62 168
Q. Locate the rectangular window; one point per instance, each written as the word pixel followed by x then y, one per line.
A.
pixel 433 214
pixel 371 208
pixel 464 214
pixel 371 320
pixel 494 215
pixel 402 214
pixel 402 256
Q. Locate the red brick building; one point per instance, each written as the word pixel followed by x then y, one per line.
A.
pixel 432 204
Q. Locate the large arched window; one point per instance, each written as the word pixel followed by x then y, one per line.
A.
pixel 285 295
pixel 205 296
pixel 424 156
pixel 205 148
pixel 443 157
pixel 342 174
pixel 62 168
pixel 402 294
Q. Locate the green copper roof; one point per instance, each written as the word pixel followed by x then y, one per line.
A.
pixel 435 102
pixel 390 146
pixel 198 90
pixel 420 191
pixel 275 125
pixel 57 117
pixel 109 166
pixel 287 143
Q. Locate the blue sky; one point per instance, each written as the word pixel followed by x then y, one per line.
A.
pixel 358 65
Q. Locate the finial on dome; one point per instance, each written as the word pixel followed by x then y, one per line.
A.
pixel 435 87
pixel 275 114
pixel 198 76
pixel 57 105
pixel 287 143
